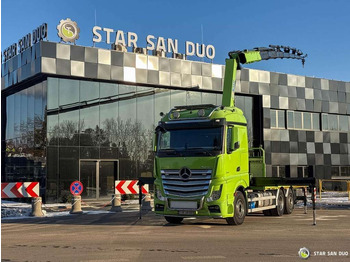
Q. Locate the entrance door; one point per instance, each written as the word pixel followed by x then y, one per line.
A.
pixel 98 178
pixel 108 173
pixel 88 177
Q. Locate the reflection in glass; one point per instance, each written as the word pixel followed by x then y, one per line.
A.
pixel 88 178
pixel 90 131
pixel 343 123
pixel 307 120
pixel 325 122
pixel 52 93
pixel 333 122
pixel 315 121
pixel 281 122
pixel 108 90
pixel 177 98
pixel 68 128
pixel 10 105
pixel 297 120
pixel 68 91
pixel 290 119
pixel 273 118
pixel 161 104
pixel 17 116
pixel 209 98
pixel 31 117
pixel 89 90
pixel 108 173
pixel 108 123
pixel 193 98
pixel 23 121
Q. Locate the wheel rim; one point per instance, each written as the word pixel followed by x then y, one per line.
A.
pixel 280 202
pixel 290 201
pixel 240 208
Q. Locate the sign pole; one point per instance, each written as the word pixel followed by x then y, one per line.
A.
pixel 140 199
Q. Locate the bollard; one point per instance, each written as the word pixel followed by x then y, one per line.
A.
pixel 314 205
pixel 116 203
pixel 36 207
pixel 305 201
pixel 146 203
pixel 76 205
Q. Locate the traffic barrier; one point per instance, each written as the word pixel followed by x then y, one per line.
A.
pixel 37 207
pixel 19 189
pixel 129 187
pixel 116 203
pixel 76 205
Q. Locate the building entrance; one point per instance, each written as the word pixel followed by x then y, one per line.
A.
pixel 98 177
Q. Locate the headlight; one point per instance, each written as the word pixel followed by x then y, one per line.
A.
pixel 215 195
pixel 160 196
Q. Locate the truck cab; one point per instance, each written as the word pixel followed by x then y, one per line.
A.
pixel 201 161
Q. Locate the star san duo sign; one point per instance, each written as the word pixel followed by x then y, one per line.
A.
pixel 168 45
pixel 25 42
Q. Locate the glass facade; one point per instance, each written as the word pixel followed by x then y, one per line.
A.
pixel 100 132
pixel 25 136
pixel 61 130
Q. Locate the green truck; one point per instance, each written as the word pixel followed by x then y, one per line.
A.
pixel 203 166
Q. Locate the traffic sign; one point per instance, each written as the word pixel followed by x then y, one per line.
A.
pixel 76 188
pixel 129 187
pixel 19 189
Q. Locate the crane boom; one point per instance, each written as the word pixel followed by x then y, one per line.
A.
pixel 236 58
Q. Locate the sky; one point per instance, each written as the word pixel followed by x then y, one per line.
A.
pixel 320 28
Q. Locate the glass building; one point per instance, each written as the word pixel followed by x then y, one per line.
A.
pixel 79 113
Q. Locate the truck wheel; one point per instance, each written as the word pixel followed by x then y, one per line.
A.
pixel 289 204
pixel 239 211
pixel 174 220
pixel 278 211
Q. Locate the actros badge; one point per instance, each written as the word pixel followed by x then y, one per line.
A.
pixel 68 30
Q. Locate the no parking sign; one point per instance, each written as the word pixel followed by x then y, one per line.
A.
pixel 76 188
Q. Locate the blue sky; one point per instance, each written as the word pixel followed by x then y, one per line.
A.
pixel 319 28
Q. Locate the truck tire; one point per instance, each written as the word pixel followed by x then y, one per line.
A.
pixel 289 203
pixel 279 210
pixel 239 210
pixel 174 220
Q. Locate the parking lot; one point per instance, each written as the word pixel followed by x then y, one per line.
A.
pixel 124 237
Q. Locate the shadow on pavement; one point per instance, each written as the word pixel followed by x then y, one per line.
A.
pixel 112 219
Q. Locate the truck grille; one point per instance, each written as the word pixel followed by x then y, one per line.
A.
pixel 197 184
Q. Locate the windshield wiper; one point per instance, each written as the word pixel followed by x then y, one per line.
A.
pixel 204 151
pixel 169 151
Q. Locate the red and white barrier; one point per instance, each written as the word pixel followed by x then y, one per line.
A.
pixel 19 189
pixel 129 187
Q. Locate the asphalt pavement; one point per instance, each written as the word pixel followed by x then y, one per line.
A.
pixel 125 237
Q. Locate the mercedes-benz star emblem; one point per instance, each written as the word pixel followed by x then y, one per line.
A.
pixel 185 173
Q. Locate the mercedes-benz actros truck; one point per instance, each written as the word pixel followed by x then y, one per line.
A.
pixel 203 166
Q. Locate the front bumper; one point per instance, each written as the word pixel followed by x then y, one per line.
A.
pixel 214 209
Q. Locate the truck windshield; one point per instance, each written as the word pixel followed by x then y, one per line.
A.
pixel 203 141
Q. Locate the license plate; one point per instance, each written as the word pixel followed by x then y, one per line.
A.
pixel 183 205
pixel 187 212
